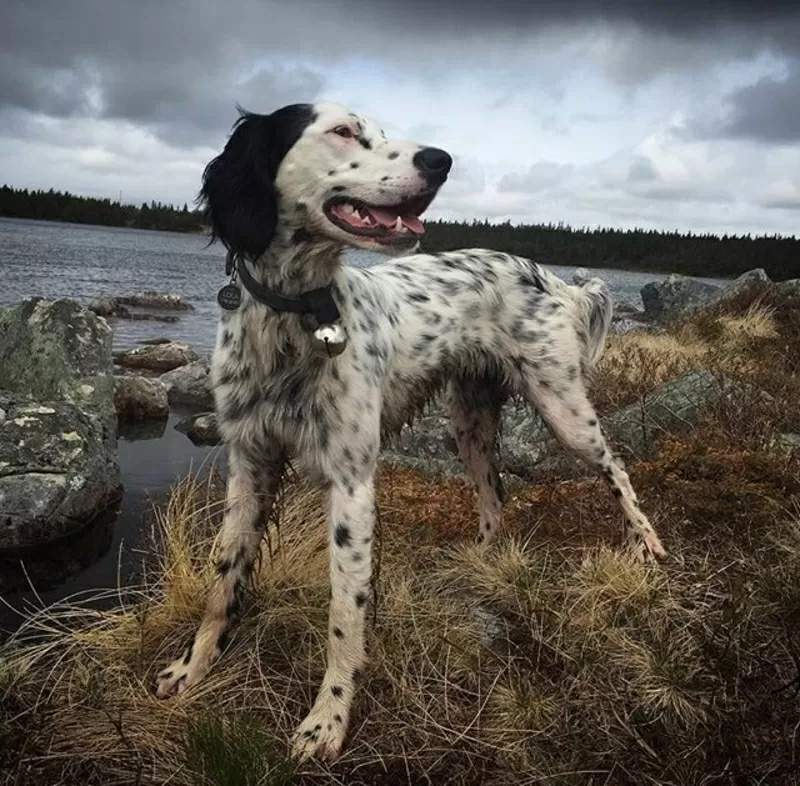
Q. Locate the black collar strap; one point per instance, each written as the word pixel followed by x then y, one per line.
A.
pixel 318 302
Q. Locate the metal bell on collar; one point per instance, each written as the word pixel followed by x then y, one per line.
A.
pixel 329 339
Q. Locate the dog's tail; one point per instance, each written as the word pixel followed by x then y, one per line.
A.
pixel 596 309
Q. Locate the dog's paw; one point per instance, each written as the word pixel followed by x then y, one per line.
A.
pixel 179 675
pixel 646 547
pixel 321 735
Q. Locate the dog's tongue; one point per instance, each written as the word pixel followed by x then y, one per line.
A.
pixel 388 219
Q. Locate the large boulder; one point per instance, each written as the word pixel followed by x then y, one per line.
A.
pixel 157 357
pixel 190 386
pixel 753 280
pixel 677 294
pixel 140 398
pixel 58 465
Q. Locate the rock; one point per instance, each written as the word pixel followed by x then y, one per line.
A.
pixel 528 450
pixel 139 430
pixel 626 324
pixel 141 306
pixel 159 357
pixel 676 294
pixel 201 429
pixel 756 278
pixel 190 386
pixel 428 446
pixel 166 301
pixel 790 288
pixel 58 466
pixel 140 398
pixel 786 443
pixel 103 306
pixel 621 308
pixel 154 342
pixel 637 430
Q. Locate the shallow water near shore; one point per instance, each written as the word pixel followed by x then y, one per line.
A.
pixel 49 259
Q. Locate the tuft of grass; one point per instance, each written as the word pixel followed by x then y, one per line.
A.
pixel 236 752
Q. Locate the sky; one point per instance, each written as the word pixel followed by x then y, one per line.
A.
pixel 681 115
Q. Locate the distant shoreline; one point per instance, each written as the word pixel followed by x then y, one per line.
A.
pixel 633 250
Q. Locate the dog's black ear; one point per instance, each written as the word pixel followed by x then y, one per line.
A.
pixel 238 193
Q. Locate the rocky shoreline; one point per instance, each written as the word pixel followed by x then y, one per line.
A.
pixel 63 396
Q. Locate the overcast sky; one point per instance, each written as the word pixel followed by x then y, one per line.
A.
pixel 682 114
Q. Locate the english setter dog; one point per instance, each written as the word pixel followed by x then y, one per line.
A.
pixel 316 360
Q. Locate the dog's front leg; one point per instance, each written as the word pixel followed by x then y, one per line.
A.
pixel 352 518
pixel 253 484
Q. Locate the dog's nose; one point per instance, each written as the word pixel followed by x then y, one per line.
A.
pixel 433 163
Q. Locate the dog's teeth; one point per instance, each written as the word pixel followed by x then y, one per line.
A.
pixel 349 208
pixel 398 225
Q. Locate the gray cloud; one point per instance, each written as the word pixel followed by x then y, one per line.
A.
pixel 642 170
pixel 179 67
pixel 767 111
pixel 540 176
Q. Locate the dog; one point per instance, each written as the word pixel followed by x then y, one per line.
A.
pixel 316 360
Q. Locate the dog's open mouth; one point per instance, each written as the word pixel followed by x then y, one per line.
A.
pixel 391 224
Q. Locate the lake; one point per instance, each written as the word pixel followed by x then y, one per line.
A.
pixel 50 259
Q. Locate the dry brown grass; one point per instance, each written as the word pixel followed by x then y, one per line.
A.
pixel 552 659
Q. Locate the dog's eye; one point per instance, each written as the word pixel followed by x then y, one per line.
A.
pixel 344 131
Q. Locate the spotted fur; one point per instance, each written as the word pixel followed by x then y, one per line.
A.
pixel 482 325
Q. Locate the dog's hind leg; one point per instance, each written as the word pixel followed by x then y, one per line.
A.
pixel 562 401
pixel 475 405
pixel 252 487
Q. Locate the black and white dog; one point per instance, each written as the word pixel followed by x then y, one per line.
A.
pixel 287 195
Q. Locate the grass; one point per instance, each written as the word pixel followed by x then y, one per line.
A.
pixel 552 659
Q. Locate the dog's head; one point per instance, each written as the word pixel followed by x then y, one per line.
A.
pixel 323 172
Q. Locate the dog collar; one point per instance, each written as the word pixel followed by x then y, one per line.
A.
pixel 318 304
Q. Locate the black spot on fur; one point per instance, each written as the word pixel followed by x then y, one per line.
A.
pixel 339 189
pixel 365 143
pixel 337 691
pixel 361 599
pixel 341 535
pixel 393 155
pixel 338 633
pixel 356 675
pixel 337 718
pixel 354 165
pixel 384 178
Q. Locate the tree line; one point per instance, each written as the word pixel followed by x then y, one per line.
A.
pixel 62 206
pixel 550 244
pixel 628 249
